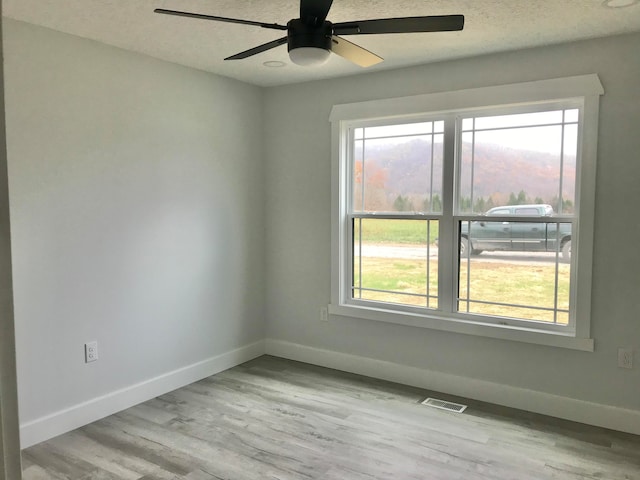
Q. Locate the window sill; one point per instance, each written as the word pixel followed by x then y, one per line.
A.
pixel 511 333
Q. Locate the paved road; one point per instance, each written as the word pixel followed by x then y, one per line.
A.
pixel 414 252
pixel 397 251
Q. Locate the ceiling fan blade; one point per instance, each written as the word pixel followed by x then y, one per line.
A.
pixel 258 49
pixel 434 23
pixel 354 53
pixel 273 26
pixel 314 12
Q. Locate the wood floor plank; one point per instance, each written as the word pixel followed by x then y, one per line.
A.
pixel 272 418
pixel 76 446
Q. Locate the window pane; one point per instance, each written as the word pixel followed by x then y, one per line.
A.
pixel 357 255
pixel 398 174
pixel 570 155
pixel 399 130
pixel 467 167
pixel 357 190
pixel 433 203
pixel 572 115
pixel 516 166
pixel 395 261
pixel 517 270
pixel 519 120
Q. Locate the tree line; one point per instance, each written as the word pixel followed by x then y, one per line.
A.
pixel 407 203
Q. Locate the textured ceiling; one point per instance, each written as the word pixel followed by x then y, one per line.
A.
pixel 491 26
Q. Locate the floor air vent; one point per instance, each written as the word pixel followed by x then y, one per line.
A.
pixel 441 404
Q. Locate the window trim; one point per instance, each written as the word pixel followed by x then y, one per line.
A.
pixel 585 88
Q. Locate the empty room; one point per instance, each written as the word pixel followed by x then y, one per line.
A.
pixel 305 239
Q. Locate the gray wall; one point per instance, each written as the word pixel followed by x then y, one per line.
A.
pixel 136 206
pixel 298 229
pixel 9 428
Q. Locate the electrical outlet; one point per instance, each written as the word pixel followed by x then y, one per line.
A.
pixel 90 352
pixel 625 357
pixel 324 315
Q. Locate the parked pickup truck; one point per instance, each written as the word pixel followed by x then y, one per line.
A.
pixel 491 235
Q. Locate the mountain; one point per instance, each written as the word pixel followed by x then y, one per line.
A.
pixel 405 169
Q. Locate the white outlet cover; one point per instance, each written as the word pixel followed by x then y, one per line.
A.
pixel 625 358
pixel 90 352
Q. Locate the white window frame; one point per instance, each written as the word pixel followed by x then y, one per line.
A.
pixel 585 89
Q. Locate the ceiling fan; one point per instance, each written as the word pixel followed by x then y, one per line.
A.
pixel 311 38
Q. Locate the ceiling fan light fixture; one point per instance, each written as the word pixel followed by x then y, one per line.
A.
pixel 309 56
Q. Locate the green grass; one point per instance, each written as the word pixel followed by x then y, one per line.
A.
pixel 521 284
pixel 377 230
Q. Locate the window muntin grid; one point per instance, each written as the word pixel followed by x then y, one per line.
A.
pixel 365 208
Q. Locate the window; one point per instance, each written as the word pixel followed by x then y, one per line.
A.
pixel 419 183
pixel 395 178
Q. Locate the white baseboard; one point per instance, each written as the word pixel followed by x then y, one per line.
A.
pixel 615 418
pixel 63 421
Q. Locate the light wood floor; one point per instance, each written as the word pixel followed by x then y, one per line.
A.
pixel 277 419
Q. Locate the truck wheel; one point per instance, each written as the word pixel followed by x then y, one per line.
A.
pixel 464 247
pixel 566 250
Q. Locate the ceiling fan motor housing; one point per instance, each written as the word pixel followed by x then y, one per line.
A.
pixel 301 35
